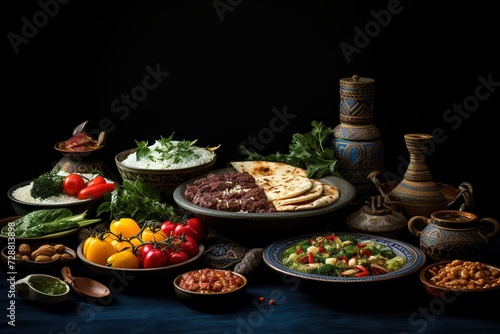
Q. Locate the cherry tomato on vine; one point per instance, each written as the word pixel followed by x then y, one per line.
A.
pixel 168 227
pixel 124 259
pixel 178 256
pixel 144 249
pixel 153 234
pixel 127 227
pixel 72 184
pixel 189 245
pixel 98 250
pixel 193 227
pixel 140 259
pixel 121 244
pixel 155 258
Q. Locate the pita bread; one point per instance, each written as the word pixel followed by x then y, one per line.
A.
pixel 266 168
pixel 315 191
pixel 282 186
pixel 329 195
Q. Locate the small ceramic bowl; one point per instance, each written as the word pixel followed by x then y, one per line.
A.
pixel 165 180
pixel 42 288
pixel 27 265
pixel 212 298
pixel 455 295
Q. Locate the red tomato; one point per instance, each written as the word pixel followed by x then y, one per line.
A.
pixel 140 259
pixel 145 249
pixel 168 227
pixel 72 184
pixel 99 179
pixel 95 191
pixel 155 258
pixel 177 257
pixel 189 245
pixel 193 227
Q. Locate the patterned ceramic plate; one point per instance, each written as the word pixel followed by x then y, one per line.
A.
pixel 415 258
pixel 270 222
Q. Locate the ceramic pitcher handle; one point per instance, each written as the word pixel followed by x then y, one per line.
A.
pixel 490 222
pixel 414 222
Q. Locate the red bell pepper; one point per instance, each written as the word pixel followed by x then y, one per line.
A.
pixel 364 272
pixel 311 257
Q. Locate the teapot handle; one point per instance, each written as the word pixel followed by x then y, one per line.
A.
pixel 465 191
pixel 489 222
pixel 417 220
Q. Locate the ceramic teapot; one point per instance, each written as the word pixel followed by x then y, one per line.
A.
pixel 376 217
pixel 417 191
pixel 460 198
pixel 454 234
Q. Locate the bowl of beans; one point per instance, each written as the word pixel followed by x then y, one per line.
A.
pixel 208 287
pixel 460 280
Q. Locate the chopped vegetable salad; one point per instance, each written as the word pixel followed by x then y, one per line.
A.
pixel 341 255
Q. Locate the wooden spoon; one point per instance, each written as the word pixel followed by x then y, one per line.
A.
pixel 85 287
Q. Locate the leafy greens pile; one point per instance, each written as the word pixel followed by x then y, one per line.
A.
pixel 138 200
pixel 46 221
pixel 311 151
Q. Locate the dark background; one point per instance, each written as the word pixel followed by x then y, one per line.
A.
pixel 229 68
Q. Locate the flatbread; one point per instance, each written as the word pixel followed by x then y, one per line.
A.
pixel 329 195
pixel 315 191
pixel 266 168
pixel 282 186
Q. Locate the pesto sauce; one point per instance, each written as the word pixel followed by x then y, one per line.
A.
pixel 48 285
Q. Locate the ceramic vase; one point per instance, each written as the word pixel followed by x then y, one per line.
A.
pixel 357 143
pixel 418 192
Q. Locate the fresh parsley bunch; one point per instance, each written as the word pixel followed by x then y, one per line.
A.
pixel 138 200
pixel 312 151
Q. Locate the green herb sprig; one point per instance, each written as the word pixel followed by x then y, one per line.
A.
pixel 167 151
pixel 311 151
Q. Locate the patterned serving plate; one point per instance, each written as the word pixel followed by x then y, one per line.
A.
pixel 415 258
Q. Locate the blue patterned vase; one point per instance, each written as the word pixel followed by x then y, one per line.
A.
pixel 357 142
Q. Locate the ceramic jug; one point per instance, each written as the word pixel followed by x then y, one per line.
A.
pixel 453 234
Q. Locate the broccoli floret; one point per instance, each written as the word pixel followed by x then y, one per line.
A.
pixel 328 270
pixel 330 248
pixel 348 251
pixel 304 244
pixel 293 259
pixel 46 185
pixel 395 263
pixel 387 252
pixel 287 252
pixel 379 249
pixel 349 239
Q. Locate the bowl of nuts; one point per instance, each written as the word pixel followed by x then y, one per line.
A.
pixel 37 257
pixel 461 280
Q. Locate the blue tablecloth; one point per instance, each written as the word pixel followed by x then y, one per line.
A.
pixel 398 306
